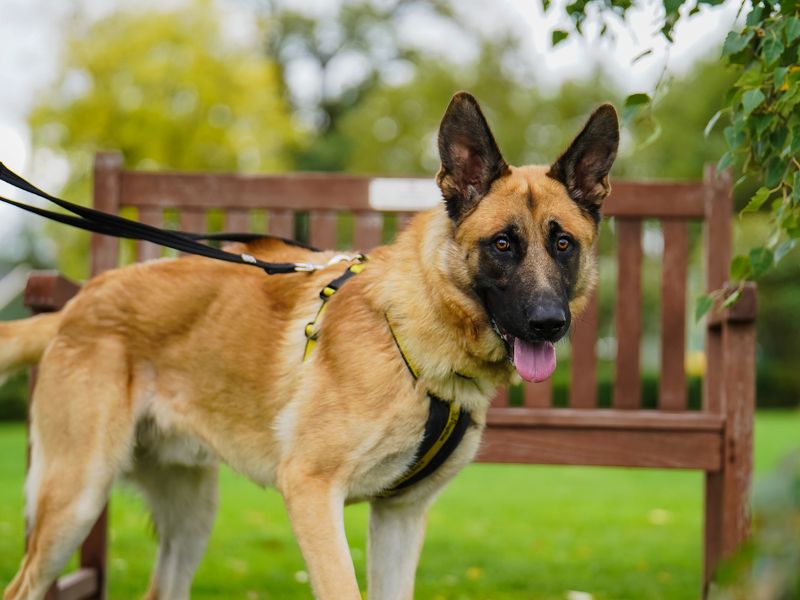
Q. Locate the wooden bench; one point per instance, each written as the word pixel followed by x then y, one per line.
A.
pixel 716 439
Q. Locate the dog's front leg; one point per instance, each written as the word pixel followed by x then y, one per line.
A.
pixel 316 510
pixel 396 533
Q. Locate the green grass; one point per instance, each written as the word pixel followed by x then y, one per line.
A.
pixel 498 532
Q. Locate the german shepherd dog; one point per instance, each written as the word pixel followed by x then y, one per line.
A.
pixel 158 371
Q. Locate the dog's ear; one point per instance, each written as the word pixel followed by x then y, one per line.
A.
pixel 471 160
pixel 583 168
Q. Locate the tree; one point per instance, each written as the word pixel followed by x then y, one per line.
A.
pixel 358 49
pixel 167 88
pixel 761 107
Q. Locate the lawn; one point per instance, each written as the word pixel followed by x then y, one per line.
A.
pixel 498 532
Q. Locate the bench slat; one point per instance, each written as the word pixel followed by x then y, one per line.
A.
pixel 193 220
pixel 367 230
pixel 500 399
pixel 672 383
pixel 322 229
pixel 583 378
pixel 602 447
pixel 305 191
pixel 149 215
pixel 628 313
pixel 319 191
pixel 237 221
pixel 604 418
pixel 539 395
pixel 656 200
pixel 281 223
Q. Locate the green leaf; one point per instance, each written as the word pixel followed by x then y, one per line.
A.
pixel 754 16
pixel 784 249
pixel 654 135
pixel 796 188
pixel 726 161
pixel 545 5
pixel 736 42
pixel 772 50
pixel 740 268
pixel 752 77
pixel 761 260
pixel 757 201
pixel 640 56
pixel 732 299
pixel 762 122
pixel 711 122
pixel 558 36
pixel 733 135
pixel 779 77
pixel 637 99
pixel 751 100
pixel 702 305
pixel 633 105
pixel 791 29
pixel 775 169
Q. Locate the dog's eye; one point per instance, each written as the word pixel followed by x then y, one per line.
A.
pixel 563 243
pixel 502 243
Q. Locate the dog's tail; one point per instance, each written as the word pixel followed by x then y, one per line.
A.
pixel 23 342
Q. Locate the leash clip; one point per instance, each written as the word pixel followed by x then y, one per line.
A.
pixel 310 267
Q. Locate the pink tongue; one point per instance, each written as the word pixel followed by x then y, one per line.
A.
pixel 534 362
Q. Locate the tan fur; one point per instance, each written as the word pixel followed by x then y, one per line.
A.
pixel 23 342
pixel 189 361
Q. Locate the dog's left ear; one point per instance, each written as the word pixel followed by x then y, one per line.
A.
pixel 583 168
pixel 471 160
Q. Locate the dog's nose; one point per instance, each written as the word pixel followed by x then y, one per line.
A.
pixel 548 322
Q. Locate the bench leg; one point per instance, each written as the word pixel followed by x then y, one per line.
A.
pixel 712 551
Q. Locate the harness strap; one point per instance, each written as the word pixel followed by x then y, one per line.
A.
pixel 445 428
pixel 311 329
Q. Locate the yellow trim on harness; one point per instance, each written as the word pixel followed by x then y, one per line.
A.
pixel 403 354
pixel 311 329
pixel 452 419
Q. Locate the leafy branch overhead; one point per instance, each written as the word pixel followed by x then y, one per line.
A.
pixel 762 111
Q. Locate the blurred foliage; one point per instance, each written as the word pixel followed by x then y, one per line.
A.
pixel 362 34
pixel 764 135
pixel 394 130
pixel 167 89
pixel 767 568
pixel 763 138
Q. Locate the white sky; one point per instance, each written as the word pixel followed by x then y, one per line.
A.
pixel 30 42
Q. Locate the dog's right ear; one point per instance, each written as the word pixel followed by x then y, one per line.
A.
pixel 471 160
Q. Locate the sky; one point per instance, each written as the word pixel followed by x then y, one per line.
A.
pixel 30 40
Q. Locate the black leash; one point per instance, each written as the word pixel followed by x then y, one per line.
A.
pixel 103 223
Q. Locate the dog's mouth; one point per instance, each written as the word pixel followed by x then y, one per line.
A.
pixel 534 361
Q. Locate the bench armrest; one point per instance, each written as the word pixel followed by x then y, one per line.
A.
pixel 744 310
pixel 48 291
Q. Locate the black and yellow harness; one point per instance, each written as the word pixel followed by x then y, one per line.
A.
pixel 447 421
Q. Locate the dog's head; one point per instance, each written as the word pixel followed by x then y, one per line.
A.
pixel 526 233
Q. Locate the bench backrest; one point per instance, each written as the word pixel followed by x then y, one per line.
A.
pixel 375 206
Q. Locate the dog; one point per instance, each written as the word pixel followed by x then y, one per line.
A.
pixel 158 371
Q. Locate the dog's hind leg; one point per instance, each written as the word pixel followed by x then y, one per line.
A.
pixel 396 533
pixel 81 434
pixel 183 500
